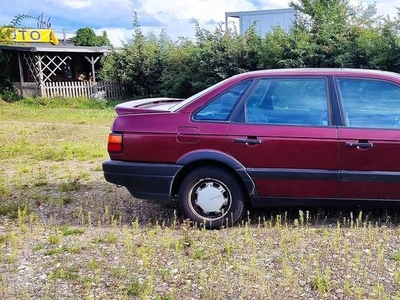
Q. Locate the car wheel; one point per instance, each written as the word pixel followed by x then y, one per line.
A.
pixel 211 196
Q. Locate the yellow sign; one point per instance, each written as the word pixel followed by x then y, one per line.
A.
pixel 33 35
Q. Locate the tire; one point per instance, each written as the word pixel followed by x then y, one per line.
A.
pixel 204 184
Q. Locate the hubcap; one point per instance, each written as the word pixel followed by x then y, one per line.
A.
pixel 211 198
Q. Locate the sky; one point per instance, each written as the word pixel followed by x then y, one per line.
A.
pixel 116 16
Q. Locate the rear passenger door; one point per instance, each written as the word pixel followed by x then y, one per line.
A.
pixel 284 138
pixel 370 140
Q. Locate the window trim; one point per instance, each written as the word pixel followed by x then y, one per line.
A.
pixel 330 99
pixel 232 114
pixel 340 103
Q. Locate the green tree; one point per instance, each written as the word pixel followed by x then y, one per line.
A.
pixel 6 89
pixel 87 37
pixel 327 33
pixel 141 62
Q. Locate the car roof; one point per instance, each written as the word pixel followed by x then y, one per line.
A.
pixel 322 71
pixel 348 72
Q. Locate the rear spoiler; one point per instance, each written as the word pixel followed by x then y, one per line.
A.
pixel 146 105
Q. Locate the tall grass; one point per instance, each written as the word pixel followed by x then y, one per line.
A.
pixel 67 234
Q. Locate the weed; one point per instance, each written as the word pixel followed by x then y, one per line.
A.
pixel 63 249
pixel 38 247
pixel 120 272
pixel 4 238
pixel 164 297
pixel 396 256
pixel 11 210
pixel 111 238
pixel 41 178
pixel 321 283
pixel 64 200
pixel 183 243
pixel 55 239
pixel 198 254
pixel 95 264
pixel 135 288
pixel 228 249
pixel 70 273
pixel 71 185
pixel 72 231
pixel 5 190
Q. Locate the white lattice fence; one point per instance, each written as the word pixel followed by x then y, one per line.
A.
pixel 75 89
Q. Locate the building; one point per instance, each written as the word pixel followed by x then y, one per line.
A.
pixel 264 20
pixel 36 66
pixel 41 66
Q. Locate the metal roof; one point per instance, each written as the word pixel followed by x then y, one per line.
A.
pixel 48 47
pixel 238 14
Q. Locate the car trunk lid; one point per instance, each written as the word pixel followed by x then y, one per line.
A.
pixel 149 105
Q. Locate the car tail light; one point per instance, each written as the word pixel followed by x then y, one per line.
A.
pixel 114 143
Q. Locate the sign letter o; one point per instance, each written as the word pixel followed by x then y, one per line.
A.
pixel 35 35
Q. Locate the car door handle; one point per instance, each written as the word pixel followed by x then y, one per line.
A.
pixel 250 141
pixel 363 145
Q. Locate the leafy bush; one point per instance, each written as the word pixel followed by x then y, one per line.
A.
pixel 9 94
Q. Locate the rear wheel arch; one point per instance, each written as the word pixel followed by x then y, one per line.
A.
pixel 212 196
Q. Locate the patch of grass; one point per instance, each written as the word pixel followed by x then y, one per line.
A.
pixel 12 210
pixel 4 238
pixel 228 249
pixel 111 238
pixel 135 289
pixel 58 111
pixel 38 247
pixel 71 185
pixel 164 297
pixel 120 272
pixel 63 249
pixel 53 134
pixel 70 273
pixel 5 190
pixel 72 231
pixel 396 256
pixel 198 254
pixel 183 243
pixel 55 239
pixel 58 102
pixel 321 283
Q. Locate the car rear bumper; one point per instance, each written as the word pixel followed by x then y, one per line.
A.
pixel 143 180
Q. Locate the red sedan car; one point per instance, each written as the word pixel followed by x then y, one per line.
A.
pixel 262 138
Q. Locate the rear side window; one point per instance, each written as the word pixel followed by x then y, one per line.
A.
pixel 370 103
pixel 220 108
pixel 288 102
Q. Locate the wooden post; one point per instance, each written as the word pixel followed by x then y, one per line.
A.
pixel 40 75
pixel 21 75
pixel 93 61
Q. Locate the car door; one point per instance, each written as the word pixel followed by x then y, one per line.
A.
pixel 370 140
pixel 284 139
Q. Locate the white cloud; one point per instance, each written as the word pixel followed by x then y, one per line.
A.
pixel 116 16
pixel 202 10
pixel 384 8
pixel 77 4
pixel 117 36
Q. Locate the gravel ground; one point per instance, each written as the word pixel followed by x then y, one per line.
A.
pixel 100 243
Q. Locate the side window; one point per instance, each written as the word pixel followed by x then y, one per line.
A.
pixel 288 101
pixel 221 107
pixel 370 103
